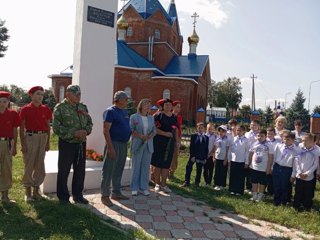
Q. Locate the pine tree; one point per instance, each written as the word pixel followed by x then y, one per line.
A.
pixel 298 111
pixel 267 117
pixel 3 38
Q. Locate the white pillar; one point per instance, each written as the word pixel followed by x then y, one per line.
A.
pixel 94 60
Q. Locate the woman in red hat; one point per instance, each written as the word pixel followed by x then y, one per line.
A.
pixel 34 135
pixel 9 121
pixel 164 143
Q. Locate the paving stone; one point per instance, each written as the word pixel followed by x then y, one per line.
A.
pixel 154 202
pixel 164 234
pixel 159 219
pixel 169 207
pixel 154 206
pixel 171 213
pixel 202 239
pixel 203 220
pixel 141 206
pixel 179 203
pixel 188 219
pixel 157 212
pixel 208 226
pixel 146 225
pixel 193 226
pixel 197 234
pixel 181 233
pixel 161 226
pixel 223 227
pixel 229 234
pixel 142 212
pixel 214 234
pixel 246 234
pixel 177 226
pixel 143 218
pixel 184 213
pixel 174 219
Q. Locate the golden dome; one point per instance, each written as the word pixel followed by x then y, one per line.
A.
pixel 122 23
pixel 194 38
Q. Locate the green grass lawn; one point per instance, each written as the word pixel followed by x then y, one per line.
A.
pixel 47 219
pixel 309 222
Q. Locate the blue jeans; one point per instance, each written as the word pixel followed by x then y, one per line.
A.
pixel 112 169
pixel 141 169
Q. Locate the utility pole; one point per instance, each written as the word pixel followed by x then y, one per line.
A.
pixel 253 98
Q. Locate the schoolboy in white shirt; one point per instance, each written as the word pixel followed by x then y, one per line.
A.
pixel 284 156
pixel 239 157
pixel 305 164
pixel 221 149
pixel 260 162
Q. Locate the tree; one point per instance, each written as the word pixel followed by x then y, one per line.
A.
pixel 268 117
pixel 297 111
pixel 316 109
pixel 226 93
pixel 245 111
pixel 48 99
pixel 3 38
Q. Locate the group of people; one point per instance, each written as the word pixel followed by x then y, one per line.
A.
pixel 262 161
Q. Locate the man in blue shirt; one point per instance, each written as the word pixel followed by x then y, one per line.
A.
pixel 116 130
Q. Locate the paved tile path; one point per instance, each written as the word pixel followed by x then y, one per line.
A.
pixel 175 217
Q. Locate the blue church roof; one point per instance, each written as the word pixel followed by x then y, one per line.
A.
pixel 146 8
pixel 172 12
pixel 127 57
pixel 186 66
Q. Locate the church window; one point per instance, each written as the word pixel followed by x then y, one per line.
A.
pixel 61 93
pixel 127 90
pixel 129 32
pixel 166 93
pixel 157 34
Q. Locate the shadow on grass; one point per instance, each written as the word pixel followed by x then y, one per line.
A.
pixel 48 219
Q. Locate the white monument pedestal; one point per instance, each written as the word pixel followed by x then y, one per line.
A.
pixel 93 174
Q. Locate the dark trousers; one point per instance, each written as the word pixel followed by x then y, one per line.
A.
pixel 189 166
pixel 304 191
pixel 270 188
pixel 71 154
pixel 220 174
pixel 281 183
pixel 208 170
pixel 236 181
pixel 247 179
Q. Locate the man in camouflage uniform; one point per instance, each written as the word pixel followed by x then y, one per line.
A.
pixel 72 124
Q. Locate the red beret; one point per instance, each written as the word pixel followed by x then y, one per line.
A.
pixel 176 102
pixel 160 102
pixel 34 89
pixel 4 94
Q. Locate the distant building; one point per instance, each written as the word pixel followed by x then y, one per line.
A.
pixel 149 61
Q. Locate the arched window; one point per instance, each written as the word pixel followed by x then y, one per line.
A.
pixel 61 93
pixel 157 34
pixel 129 32
pixel 127 90
pixel 166 93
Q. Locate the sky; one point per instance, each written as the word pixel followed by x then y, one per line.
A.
pixel 276 40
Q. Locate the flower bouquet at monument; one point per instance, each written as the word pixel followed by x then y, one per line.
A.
pixel 93 155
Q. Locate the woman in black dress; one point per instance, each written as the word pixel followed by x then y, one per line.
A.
pixel 164 143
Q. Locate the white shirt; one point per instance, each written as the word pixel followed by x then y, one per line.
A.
pixel 252 137
pixel 285 155
pixel 306 162
pixel 299 136
pixel 221 147
pixel 260 156
pixel 240 150
pixel 145 124
pixel 212 139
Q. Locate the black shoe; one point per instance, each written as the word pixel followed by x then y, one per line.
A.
pixel 80 200
pixel 64 201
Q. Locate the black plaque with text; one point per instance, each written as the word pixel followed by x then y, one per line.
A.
pixel 100 16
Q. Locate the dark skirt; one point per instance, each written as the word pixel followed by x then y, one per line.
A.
pixel 163 152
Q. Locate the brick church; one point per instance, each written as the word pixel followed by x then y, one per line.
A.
pixel 149 61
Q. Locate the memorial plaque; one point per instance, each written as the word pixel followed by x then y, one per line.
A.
pixel 100 16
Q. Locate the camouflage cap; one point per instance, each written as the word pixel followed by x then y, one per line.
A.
pixel 75 89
